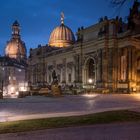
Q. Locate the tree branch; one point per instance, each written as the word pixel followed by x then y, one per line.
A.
pixel 118 2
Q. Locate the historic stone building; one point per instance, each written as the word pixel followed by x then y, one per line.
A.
pixel 105 55
pixel 13 65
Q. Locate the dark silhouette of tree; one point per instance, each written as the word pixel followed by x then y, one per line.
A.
pixel 118 2
pixel 134 13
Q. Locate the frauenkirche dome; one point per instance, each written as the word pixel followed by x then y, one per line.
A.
pixel 15 47
pixel 61 36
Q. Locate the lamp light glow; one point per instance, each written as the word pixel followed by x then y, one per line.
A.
pixel 90 81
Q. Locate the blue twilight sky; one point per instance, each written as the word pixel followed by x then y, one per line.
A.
pixel 39 17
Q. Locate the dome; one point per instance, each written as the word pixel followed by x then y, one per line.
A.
pixel 61 36
pixel 15 48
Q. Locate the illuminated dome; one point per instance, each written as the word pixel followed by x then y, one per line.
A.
pixel 61 36
pixel 15 47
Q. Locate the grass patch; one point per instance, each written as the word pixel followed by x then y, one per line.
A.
pixel 98 118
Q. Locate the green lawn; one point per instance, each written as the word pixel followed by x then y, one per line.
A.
pixel 98 118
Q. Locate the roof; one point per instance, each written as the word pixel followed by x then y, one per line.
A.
pixel 6 61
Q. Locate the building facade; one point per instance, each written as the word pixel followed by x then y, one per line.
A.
pixel 13 65
pixel 105 56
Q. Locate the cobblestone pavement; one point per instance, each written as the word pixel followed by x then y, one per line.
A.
pixel 124 131
pixel 42 107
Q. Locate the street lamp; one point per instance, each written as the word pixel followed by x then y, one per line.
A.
pixel 1 92
pixel 2 81
pixel 90 81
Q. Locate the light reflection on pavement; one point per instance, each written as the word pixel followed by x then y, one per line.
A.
pixel 43 107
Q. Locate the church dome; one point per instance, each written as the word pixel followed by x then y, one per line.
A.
pixel 15 48
pixel 61 36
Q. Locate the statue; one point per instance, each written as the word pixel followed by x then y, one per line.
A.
pixel 55 88
pixel 54 77
pixel 134 15
pixel 62 18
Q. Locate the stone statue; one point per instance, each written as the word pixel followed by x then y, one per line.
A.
pixel 55 88
pixel 54 77
pixel 134 15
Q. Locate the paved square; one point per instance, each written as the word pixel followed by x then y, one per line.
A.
pixel 43 107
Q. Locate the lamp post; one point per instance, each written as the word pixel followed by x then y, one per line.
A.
pixel 1 92
pixel 2 81
pixel 90 81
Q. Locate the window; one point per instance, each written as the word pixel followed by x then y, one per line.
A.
pixel 123 67
pixel 69 77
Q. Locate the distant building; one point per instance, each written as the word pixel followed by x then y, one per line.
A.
pixel 16 48
pixel 104 56
pixel 13 65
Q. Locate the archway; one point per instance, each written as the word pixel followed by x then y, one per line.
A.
pixel 90 72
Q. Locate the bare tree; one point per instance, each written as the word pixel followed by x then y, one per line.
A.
pixel 118 5
pixel 118 2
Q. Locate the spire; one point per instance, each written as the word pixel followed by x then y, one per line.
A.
pixel 16 23
pixel 16 29
pixel 62 18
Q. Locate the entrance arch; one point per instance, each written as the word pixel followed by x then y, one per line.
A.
pixel 89 73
